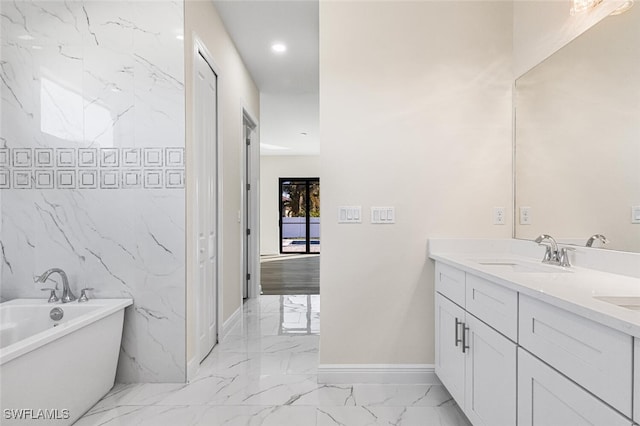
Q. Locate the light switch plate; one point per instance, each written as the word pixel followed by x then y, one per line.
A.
pixel 383 215
pixel 525 215
pixel 350 214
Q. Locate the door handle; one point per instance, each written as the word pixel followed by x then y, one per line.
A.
pixel 458 323
pixel 464 338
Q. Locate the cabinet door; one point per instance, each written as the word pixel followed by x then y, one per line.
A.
pixel 490 391
pixel 546 397
pixel 449 356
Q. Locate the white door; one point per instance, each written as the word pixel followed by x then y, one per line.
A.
pixel 490 385
pixel 449 356
pixel 546 397
pixel 206 141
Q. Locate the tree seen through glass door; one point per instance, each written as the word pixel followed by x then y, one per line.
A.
pixel 300 215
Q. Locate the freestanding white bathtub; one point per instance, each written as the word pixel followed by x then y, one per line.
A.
pixel 52 372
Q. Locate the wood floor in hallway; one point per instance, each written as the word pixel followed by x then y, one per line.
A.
pixel 299 275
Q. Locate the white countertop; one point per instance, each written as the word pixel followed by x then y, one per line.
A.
pixel 573 291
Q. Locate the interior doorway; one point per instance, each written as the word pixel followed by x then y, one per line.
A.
pixel 299 200
pixel 206 193
pixel 250 245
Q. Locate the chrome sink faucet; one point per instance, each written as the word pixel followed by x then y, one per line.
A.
pixel 596 237
pixel 551 254
pixel 67 294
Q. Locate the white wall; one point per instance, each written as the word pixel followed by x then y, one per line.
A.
pixel 236 90
pixel 271 169
pixel 415 112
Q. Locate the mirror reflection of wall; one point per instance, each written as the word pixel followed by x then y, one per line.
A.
pixel 577 138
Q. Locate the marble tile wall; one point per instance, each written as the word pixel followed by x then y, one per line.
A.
pixel 92 163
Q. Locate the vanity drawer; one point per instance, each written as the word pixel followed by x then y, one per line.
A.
pixel 450 282
pixel 494 304
pixel 593 355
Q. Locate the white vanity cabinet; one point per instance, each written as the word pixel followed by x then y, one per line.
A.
pixel 509 358
pixel 476 364
pixel 546 397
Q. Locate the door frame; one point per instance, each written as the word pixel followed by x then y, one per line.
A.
pixel 308 181
pixel 199 48
pixel 251 251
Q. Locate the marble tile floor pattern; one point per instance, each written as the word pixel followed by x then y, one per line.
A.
pixel 265 373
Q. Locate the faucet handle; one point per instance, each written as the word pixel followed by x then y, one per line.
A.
pixel 83 294
pixel 53 297
pixel 564 256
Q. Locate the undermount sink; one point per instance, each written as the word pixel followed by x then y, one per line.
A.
pixel 518 266
pixel 630 302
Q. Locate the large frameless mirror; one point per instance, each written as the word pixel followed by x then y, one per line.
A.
pixel 577 139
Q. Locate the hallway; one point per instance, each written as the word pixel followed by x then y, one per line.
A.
pixel 265 373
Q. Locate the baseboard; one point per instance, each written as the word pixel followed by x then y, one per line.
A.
pixel 378 373
pixel 230 323
pixel 192 368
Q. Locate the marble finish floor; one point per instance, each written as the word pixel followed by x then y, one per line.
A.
pixel 265 373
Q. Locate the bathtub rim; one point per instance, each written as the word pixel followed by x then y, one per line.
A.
pixel 104 308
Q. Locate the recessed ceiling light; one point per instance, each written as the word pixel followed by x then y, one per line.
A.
pixel 36 47
pixel 180 37
pixel 25 37
pixel 279 47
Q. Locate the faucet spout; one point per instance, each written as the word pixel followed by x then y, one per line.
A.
pixel 551 254
pixel 596 237
pixel 67 294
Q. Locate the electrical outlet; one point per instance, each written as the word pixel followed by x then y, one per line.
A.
pixel 525 215
pixel 499 216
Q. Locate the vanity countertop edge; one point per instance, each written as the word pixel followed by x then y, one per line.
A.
pixel 572 291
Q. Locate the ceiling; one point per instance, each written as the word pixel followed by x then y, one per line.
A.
pixel 288 82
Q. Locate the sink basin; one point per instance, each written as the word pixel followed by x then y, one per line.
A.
pixel 631 302
pixel 517 266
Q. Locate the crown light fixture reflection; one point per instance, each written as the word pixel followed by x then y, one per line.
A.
pixel 622 9
pixel 581 6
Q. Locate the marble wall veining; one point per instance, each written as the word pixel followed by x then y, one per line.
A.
pixel 92 163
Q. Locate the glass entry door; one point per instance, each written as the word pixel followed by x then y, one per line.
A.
pixel 299 215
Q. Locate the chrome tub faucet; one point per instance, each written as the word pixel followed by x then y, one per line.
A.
pixel 67 294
